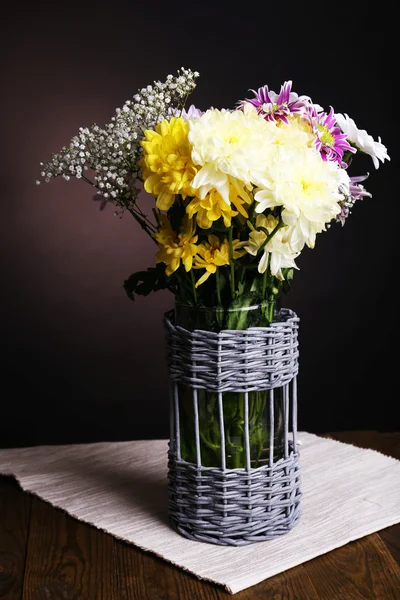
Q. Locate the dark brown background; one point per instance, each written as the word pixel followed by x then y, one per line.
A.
pixel 80 361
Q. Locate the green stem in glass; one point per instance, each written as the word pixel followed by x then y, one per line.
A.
pixel 214 319
pixel 218 284
pixel 193 286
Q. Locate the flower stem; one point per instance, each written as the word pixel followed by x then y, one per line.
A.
pixel 264 284
pixel 84 178
pixel 270 235
pixel 231 262
pixel 141 218
pixel 218 286
pixel 193 286
pixel 145 218
pixel 142 224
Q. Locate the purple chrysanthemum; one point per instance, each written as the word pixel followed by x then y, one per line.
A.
pixel 191 113
pixel 354 192
pixel 330 141
pixel 280 106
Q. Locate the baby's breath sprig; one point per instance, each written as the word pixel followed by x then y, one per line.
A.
pixel 111 153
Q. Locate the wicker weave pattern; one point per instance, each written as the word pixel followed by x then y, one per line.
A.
pixel 235 506
pixel 258 358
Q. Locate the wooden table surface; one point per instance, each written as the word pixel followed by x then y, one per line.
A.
pixel 46 554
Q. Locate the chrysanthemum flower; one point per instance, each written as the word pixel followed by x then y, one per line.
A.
pixel 210 209
pixel 175 248
pixel 277 253
pixel 330 141
pixel 307 189
pixel 357 190
pixel 273 107
pixel 353 190
pixel 296 133
pixel 213 207
pixel 230 149
pixel 191 113
pixel 362 140
pixel 213 254
pixel 166 163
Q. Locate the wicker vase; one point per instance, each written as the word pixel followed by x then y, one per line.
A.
pixel 234 473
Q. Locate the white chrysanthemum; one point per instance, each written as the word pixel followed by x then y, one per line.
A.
pixel 362 140
pixel 307 188
pixel 296 134
pixel 278 253
pixel 231 147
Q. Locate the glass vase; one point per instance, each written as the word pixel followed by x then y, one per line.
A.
pixel 265 407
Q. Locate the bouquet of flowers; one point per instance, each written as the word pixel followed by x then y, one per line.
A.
pixel 232 196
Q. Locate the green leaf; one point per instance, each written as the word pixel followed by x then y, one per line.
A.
pixel 144 282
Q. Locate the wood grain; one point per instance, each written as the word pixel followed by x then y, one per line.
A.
pixel 67 559
pixel 391 537
pixel 144 576
pixel 386 442
pixel 361 570
pixel 15 508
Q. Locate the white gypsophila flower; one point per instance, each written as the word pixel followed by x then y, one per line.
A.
pixel 231 148
pixel 307 189
pixel 362 140
pixel 277 253
pixel 113 151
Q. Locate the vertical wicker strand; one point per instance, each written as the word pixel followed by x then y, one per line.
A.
pixel 286 420
pixel 197 439
pixel 271 446
pixel 177 424
pixel 271 427
pixel 247 446
pixel 286 444
pixel 221 409
pixel 223 451
pixel 222 431
pixel 177 447
pixel 294 413
pixel 247 432
pixel 172 441
pixel 196 426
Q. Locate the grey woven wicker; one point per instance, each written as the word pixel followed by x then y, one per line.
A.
pixel 242 505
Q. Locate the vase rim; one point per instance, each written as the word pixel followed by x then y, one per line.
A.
pixel 223 308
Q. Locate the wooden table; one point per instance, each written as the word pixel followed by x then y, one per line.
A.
pixel 46 554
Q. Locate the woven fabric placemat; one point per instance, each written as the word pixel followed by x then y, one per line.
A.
pixel 121 488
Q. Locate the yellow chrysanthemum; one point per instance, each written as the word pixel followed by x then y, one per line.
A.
pixel 213 206
pixel 166 163
pixel 213 254
pixel 175 248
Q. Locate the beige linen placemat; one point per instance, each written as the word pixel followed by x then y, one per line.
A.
pixel 121 488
